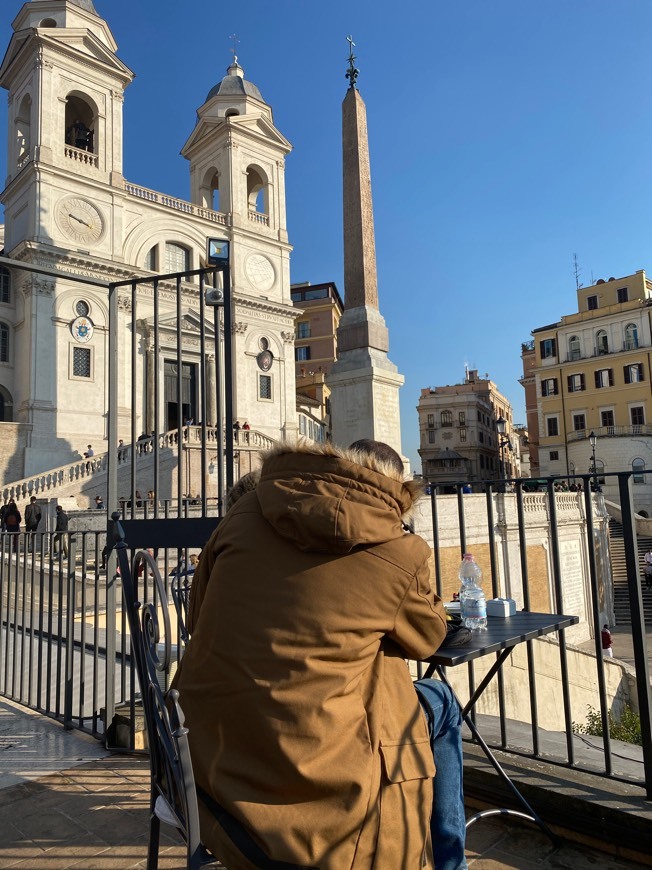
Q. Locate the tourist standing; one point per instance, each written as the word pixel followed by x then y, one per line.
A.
pixel 61 538
pixel 607 642
pixel 12 518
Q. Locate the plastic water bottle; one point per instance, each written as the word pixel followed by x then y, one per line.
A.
pixel 473 604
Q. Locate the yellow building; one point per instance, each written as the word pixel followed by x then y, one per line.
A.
pixel 592 373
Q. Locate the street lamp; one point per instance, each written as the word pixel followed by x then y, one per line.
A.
pixel 593 440
pixel 501 425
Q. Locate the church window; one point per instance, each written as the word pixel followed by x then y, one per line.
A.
pixel 150 259
pixel 48 22
pixel 257 191
pixel 4 343
pixel 177 258
pixel 231 112
pixel 80 129
pixel 265 387
pixel 6 406
pixel 5 285
pixel 23 131
pixel 263 343
pixel 82 309
pixel 81 362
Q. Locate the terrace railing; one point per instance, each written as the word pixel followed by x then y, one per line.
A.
pixel 64 650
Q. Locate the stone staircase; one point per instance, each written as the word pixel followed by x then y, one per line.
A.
pixel 619 573
pixel 83 479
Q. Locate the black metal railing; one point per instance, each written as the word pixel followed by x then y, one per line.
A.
pixel 490 528
pixel 65 649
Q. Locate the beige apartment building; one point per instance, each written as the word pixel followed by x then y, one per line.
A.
pixel 315 350
pixel 459 441
pixel 590 373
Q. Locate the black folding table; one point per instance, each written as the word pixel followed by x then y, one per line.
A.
pixel 501 636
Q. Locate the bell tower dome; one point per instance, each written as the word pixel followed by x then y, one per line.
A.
pixel 237 157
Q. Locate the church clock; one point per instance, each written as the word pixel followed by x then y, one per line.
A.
pixel 79 219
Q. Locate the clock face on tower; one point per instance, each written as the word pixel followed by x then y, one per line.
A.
pixel 79 219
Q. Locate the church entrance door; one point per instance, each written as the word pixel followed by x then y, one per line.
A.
pixel 188 385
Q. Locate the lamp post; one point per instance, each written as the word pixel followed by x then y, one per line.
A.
pixel 501 425
pixel 593 439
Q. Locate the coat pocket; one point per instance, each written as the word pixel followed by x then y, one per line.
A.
pixel 405 761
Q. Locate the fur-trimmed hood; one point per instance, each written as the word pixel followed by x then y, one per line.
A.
pixel 329 499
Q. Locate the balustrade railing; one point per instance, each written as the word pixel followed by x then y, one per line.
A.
pixel 176 204
pixel 258 218
pixel 81 156
pixel 46 482
pixel 611 432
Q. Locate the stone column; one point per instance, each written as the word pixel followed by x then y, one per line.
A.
pixel 150 375
pixel 211 386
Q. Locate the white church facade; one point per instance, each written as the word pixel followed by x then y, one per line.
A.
pixel 68 208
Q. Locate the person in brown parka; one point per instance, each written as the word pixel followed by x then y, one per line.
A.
pixel 308 741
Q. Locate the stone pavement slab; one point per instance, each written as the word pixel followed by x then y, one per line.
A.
pixel 31 745
pixel 95 817
pixel 65 802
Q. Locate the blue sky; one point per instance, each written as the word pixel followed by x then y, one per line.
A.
pixel 504 137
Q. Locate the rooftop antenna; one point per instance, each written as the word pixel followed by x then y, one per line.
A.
pixel 577 271
pixel 352 72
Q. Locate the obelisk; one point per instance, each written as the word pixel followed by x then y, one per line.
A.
pixel 364 383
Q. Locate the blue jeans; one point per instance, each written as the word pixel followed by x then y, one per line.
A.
pixel 448 822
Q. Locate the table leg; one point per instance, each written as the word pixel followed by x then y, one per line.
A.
pixel 530 814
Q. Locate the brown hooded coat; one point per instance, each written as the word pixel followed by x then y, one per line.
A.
pixel 303 721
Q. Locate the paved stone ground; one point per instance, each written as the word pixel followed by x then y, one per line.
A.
pixel 94 817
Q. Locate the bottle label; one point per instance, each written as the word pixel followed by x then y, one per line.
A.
pixel 475 608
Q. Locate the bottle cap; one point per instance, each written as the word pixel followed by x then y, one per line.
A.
pixel 468 556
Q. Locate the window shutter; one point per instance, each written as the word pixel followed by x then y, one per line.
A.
pixel 582 382
pixel 626 373
pixel 597 379
pixel 611 377
pixel 570 383
pixel 640 372
pixel 542 346
pixel 555 388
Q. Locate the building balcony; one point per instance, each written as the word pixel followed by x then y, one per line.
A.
pixel 610 432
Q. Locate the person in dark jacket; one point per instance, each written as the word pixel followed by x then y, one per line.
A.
pixel 12 518
pixel 61 538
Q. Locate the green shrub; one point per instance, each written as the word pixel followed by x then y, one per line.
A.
pixel 627 728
